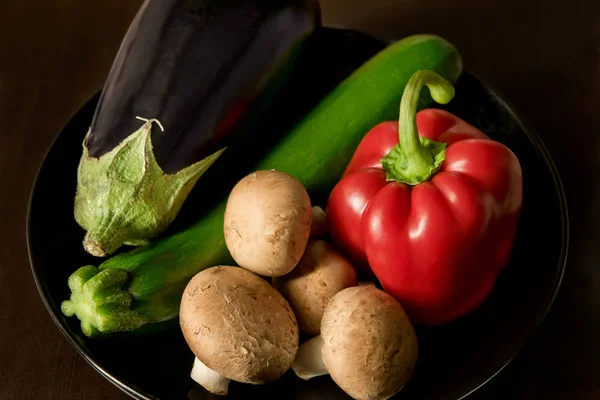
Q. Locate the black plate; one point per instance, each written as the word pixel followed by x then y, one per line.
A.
pixel 455 359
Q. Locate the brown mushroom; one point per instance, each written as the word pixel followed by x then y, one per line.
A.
pixel 267 223
pixel 320 274
pixel 367 345
pixel 319 227
pixel 367 283
pixel 238 327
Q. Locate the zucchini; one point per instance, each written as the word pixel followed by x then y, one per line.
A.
pixel 198 69
pixel 143 287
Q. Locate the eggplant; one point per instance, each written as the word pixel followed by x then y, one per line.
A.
pixel 189 78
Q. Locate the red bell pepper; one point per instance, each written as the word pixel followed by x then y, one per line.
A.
pixel 434 214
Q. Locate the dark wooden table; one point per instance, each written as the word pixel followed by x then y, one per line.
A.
pixel 543 55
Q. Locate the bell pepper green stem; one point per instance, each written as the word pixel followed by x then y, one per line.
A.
pixel 416 159
pixel 441 91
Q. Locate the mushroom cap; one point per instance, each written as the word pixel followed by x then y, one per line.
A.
pixel 320 274
pixel 267 222
pixel 370 346
pixel 238 325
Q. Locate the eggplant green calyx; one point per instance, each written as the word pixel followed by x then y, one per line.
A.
pixel 416 159
pixel 100 302
pixel 124 197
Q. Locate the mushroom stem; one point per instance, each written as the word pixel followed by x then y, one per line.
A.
pixel 318 227
pixel 309 361
pixel 209 379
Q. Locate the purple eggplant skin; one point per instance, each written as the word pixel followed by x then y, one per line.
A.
pixel 197 66
pixel 204 72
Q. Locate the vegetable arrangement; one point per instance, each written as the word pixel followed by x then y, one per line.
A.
pixel 326 251
pixel 241 328
pixel 141 288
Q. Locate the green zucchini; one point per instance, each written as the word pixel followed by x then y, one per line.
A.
pixel 143 287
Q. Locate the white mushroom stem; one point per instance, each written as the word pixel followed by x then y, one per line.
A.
pixel 318 228
pixel 209 379
pixel 309 361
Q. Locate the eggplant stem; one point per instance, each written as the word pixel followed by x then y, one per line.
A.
pixel 152 120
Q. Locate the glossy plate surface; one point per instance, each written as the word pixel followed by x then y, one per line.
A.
pixel 455 359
